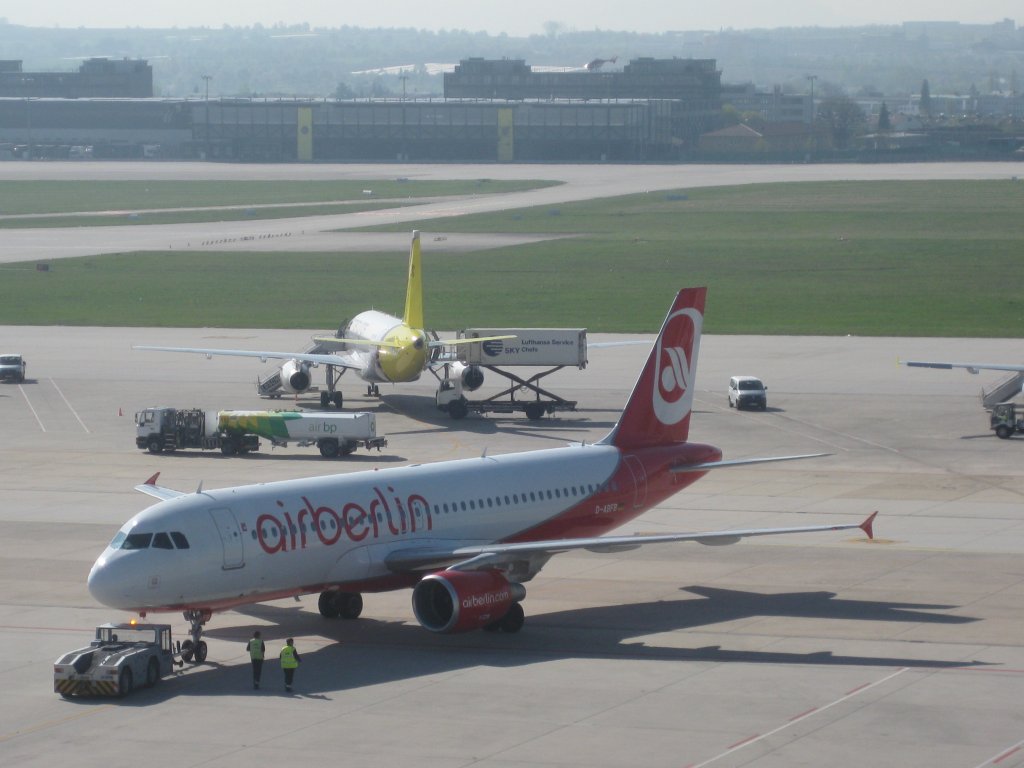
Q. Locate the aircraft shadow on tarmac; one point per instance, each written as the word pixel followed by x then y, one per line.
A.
pixel 373 652
pixel 422 409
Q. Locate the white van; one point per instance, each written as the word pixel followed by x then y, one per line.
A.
pixel 747 392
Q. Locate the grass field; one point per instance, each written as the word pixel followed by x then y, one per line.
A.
pixel 63 203
pixel 863 258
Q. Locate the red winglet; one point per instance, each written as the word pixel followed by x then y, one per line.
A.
pixel 152 480
pixel 868 525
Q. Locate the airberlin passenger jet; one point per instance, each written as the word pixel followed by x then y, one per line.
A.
pixel 464 535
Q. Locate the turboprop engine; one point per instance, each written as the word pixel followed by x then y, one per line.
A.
pixel 295 377
pixel 461 601
pixel 472 375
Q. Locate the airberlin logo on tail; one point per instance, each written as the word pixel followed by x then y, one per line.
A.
pixel 672 397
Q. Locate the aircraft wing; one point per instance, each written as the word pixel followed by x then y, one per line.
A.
pixel 340 360
pixel 150 488
pixel 497 555
pixel 970 367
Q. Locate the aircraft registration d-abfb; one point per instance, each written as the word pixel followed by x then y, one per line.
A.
pixel 464 535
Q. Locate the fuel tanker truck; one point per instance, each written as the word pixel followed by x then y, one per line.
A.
pixel 160 430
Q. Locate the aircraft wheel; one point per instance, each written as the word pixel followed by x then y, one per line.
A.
pixel 350 604
pixel 327 605
pixel 154 445
pixel 535 411
pixel 512 621
pixel 325 399
pixel 125 682
pixel 200 656
pixel 457 409
pixel 328 448
pixel 152 672
pixel 338 400
pixel 187 650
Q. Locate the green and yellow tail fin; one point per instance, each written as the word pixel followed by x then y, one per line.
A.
pixel 414 291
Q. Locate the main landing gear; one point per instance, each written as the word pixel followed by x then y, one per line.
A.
pixel 344 605
pixel 372 390
pixel 195 649
pixel 333 394
pixel 326 398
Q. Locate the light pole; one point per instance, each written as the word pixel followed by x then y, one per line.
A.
pixel 206 102
pixel 814 130
pixel 812 78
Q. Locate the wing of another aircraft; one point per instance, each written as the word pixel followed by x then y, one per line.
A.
pixel 970 367
pixel 341 358
pixel 150 488
pixel 498 555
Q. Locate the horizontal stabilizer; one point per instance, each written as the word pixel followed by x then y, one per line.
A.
pixel 705 466
pixel 455 342
pixel 362 342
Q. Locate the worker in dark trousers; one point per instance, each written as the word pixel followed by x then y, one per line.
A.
pixel 289 662
pixel 257 650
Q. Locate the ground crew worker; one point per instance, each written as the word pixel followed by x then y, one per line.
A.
pixel 257 650
pixel 289 662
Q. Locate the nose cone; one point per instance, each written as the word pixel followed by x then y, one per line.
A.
pixel 108 583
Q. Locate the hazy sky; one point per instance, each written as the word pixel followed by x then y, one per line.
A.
pixel 516 17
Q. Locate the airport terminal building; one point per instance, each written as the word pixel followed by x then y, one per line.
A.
pixel 492 110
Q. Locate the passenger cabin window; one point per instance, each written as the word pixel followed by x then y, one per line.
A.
pixel 179 540
pixel 162 541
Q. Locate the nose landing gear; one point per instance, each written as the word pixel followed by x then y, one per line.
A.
pixel 195 649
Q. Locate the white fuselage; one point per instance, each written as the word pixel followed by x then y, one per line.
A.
pixel 257 542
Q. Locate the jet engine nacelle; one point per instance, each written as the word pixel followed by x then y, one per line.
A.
pixel 295 377
pixel 472 375
pixel 461 601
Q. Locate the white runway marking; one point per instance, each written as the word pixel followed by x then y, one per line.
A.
pixel 799 718
pixel 68 404
pixel 29 403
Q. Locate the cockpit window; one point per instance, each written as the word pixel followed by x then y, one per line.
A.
pixel 137 541
pixel 116 543
pixel 162 541
pixel 179 540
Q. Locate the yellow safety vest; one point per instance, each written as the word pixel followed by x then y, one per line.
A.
pixel 255 649
pixel 288 660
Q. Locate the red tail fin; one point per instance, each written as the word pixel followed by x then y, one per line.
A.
pixel 658 410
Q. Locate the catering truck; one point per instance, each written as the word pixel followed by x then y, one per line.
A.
pixel 237 432
pixel 548 348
